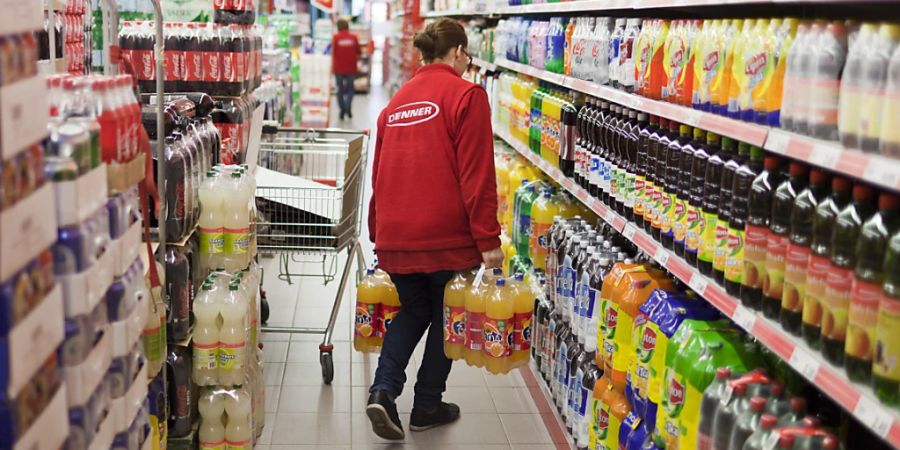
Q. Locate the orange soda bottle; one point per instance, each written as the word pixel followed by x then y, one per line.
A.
pixel 475 299
pixel 455 316
pixel 368 314
pixel 498 327
pixel 390 303
pixel 523 311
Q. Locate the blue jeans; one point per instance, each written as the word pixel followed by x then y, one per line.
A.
pixel 421 308
pixel 345 92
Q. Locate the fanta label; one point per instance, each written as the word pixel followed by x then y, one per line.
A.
pixel 496 337
pixel 522 331
pixel 366 319
pixel 388 312
pixel 455 324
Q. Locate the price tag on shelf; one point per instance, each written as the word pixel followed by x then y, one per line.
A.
pixel 874 416
pixel 777 142
pixel 583 196
pixel 802 361
pixel 597 206
pixel 661 255
pixel 698 283
pixel 628 232
pixel 744 318
pixel 885 173
pixel 824 156
pixel 692 117
pixel 609 216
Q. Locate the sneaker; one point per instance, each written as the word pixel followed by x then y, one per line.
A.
pixel 444 413
pixel 382 413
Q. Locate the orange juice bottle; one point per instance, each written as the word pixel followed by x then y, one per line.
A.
pixel 455 316
pixel 523 311
pixel 543 210
pixel 475 297
pixel 727 87
pixel 498 327
pixel 368 314
pixel 390 303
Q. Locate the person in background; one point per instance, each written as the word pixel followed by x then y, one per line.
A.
pixel 433 212
pixel 344 54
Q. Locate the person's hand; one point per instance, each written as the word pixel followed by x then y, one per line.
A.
pixel 492 258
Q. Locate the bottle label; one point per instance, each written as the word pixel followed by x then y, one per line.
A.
pixel 754 273
pixel 212 67
pixel 612 436
pixel 816 272
pixel 776 249
pixel 522 331
pixel 838 287
pixel 609 322
pixel 238 445
pixel 708 239
pixel 220 445
pixel 497 337
pixel 668 213
pixel 366 322
pixel 152 344
pixel 863 319
pixel 671 407
pixel 689 425
pixel 629 182
pixel 696 227
pixel 639 200
pixel 388 312
pixel 144 64
pixel 174 65
pixel 205 356
pixel 734 259
pixel 455 324
pixel 476 330
pixel 680 222
pixel 212 240
pixel 602 424
pixel 645 346
pixel 795 263
pixel 230 356
pixel 540 240
pixel 193 66
pixel 720 245
pixel 622 356
pixel 237 241
pixel 887 339
pixel 648 201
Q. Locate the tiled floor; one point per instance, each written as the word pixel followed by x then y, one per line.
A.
pixel 498 412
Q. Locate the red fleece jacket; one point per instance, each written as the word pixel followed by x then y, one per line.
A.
pixel 434 205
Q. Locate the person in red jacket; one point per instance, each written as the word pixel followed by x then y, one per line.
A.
pixel 344 55
pixel 433 212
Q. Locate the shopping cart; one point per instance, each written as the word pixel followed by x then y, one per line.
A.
pixel 309 201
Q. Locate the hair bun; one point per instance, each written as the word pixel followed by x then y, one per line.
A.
pixel 424 41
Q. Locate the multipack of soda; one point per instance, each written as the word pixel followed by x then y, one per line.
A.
pixel 488 320
pixel 377 303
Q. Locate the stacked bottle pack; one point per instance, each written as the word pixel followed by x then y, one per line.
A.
pixel 76 35
pixel 221 60
pixel 840 73
pixel 377 303
pixel 227 364
pixel 806 248
pixel 240 12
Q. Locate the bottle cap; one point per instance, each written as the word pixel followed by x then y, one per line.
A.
pixel 797 169
pixel 777 389
pixel 698 133
pixel 786 441
pixel 771 163
pixel 740 390
pixel 861 192
pixel 757 404
pixel 798 404
pixel 501 282
pixel 887 201
pixel 722 373
pixel 768 421
pixel 811 422
pixel 673 126
pixel 817 176
pixel 830 443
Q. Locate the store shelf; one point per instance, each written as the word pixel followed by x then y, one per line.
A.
pixel 855 398
pixel 589 6
pixel 484 64
pixel 875 169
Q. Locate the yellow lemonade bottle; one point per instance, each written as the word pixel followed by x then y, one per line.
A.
pixel 455 316
pixel 368 309
pixel 498 327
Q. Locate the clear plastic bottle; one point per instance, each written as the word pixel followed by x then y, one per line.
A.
pixel 852 82
pixel 211 431
pixel 889 141
pixel 232 336
pixel 874 77
pixel 239 430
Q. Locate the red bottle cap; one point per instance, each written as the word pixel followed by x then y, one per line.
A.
pixel 768 421
pixel 740 390
pixel 861 192
pixel 757 404
pixel 777 389
pixel 722 373
pixel 798 169
pixel 811 421
pixel 817 176
pixel 798 404
pixel 840 184
pixel 830 443
pixel 887 201
pixel 786 441
pixel 663 122
pixel 673 126
pixel 771 163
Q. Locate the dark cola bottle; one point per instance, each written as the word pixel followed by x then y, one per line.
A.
pixel 231 56
pixel 192 75
pixel 234 12
pixel 211 49
pixel 174 56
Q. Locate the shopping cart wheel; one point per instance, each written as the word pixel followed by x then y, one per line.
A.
pixel 264 308
pixel 327 363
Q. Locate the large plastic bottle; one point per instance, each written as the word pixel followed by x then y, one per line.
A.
pixel 211 431
pixel 873 83
pixel 543 210
pixel 237 224
pixel 212 223
pixel 455 316
pixel 232 336
pixel 498 328
pixel 889 141
pixel 476 296
pixel 615 41
pixel 852 82
pixel 791 105
pixel 238 431
pixel 886 376
pixel 205 338
pixel 368 314
pixel 829 53
pixel 523 301
pixel 390 303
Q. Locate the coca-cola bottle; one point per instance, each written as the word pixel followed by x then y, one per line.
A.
pixel 231 48
pixel 239 12
pixel 211 48
pixel 193 75
pixel 174 56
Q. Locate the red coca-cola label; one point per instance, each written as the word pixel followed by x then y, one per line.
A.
pixel 174 65
pixel 229 67
pixel 143 64
pixel 193 66
pixel 212 66
pixel 231 141
pixel 222 4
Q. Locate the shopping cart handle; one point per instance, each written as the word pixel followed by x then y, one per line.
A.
pixel 269 129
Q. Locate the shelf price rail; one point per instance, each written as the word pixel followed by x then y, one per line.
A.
pixel 875 169
pixel 855 398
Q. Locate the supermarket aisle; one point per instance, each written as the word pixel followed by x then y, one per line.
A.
pixel 301 413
